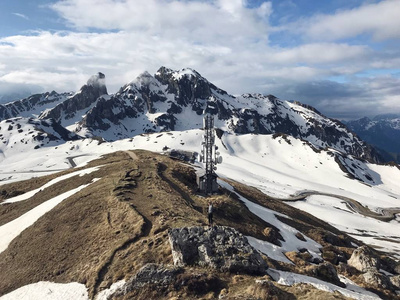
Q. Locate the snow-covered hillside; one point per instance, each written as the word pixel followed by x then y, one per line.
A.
pixel 177 100
pixel 382 131
pixel 281 167
pixel 31 106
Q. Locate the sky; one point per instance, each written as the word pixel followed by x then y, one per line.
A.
pixel 340 56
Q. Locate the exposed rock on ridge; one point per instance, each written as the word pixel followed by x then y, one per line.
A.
pixel 221 248
pixel 82 100
pixel 175 100
pixel 32 105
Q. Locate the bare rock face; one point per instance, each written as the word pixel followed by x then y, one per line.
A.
pixel 222 248
pixel 375 279
pixel 154 281
pixel 159 275
pixel 327 272
pixel 395 281
pixel 82 100
pixel 149 275
pixel 363 258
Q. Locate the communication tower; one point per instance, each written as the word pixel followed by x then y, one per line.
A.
pixel 207 180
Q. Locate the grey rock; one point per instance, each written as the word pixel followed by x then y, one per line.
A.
pixel 222 248
pixel 161 275
pixel 363 259
pixel 327 272
pixel 28 106
pixel 82 100
pixel 395 281
pixel 149 274
pixel 378 280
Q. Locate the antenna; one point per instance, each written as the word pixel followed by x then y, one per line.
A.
pixel 210 156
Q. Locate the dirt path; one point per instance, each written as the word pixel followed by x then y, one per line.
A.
pixel 386 214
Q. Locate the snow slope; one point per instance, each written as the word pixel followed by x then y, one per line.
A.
pixel 280 167
pixel 12 229
pixel 45 290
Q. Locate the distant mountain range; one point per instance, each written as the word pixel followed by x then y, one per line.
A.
pixel 170 100
pixel 383 132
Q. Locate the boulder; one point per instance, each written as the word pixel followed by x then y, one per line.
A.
pixel 221 248
pixel 363 259
pixel 395 281
pixel 373 278
pixel 150 274
pixel 327 272
pixel 333 255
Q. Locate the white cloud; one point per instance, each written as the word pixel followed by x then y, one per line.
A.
pixel 229 21
pixel 227 42
pixel 318 53
pixel 381 20
pixel 21 16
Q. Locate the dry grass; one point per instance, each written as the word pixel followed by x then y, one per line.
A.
pixel 109 230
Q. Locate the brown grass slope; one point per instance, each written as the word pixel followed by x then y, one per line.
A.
pixel 112 228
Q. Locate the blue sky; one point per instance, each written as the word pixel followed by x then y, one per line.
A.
pixel 341 56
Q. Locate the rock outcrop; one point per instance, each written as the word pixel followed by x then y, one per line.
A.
pixel 172 97
pixel 395 281
pixel 363 259
pixel 80 101
pixel 219 247
pixel 327 272
pixel 373 278
pixel 159 275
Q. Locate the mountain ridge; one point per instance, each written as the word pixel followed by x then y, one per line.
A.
pixel 176 100
pixel 382 131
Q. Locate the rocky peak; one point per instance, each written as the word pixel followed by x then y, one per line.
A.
pixel 98 82
pixel 81 100
pixel 187 84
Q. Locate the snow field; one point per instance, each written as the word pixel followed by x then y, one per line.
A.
pixel 29 194
pixel 45 290
pixel 278 167
pixel 352 291
pixel 12 229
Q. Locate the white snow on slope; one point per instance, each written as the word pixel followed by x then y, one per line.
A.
pixel 277 167
pixel 290 243
pixel 45 290
pixel 351 290
pixel 29 194
pixel 355 224
pixel 12 229
pixel 105 294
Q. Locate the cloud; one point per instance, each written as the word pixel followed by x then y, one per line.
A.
pixel 380 20
pixel 21 16
pixel 317 53
pixel 362 97
pixel 229 21
pixel 227 41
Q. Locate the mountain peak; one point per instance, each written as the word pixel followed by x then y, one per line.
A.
pixel 98 81
pixel 185 72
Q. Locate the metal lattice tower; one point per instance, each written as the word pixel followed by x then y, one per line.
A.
pixel 209 139
pixel 210 157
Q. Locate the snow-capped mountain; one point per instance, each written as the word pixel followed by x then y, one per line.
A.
pixel 382 131
pixel 176 100
pixel 21 135
pixel 71 109
pixel 31 106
